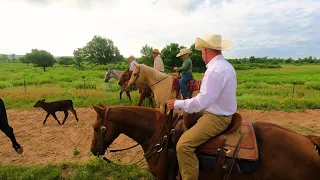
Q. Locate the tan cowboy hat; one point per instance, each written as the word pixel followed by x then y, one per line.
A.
pixel 213 41
pixel 183 52
pixel 156 51
pixel 131 57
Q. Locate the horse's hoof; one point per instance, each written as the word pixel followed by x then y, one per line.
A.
pixel 19 150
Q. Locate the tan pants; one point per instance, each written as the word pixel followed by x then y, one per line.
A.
pixel 208 125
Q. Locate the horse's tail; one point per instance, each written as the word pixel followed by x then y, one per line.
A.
pixel 315 140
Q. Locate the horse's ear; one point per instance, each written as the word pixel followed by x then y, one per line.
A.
pixel 97 109
pixel 136 65
pixel 102 105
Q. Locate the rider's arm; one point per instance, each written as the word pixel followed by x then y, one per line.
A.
pixel 184 66
pixel 209 92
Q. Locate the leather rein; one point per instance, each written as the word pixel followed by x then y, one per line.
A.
pixel 134 82
pixel 149 153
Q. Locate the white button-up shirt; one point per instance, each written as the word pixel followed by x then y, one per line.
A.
pixel 218 90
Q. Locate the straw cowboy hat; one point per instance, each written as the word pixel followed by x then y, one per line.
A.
pixel 156 51
pixel 213 41
pixel 131 57
pixel 183 52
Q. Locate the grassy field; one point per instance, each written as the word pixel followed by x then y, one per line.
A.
pixel 95 169
pixel 265 89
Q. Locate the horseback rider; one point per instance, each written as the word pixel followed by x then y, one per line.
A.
pixel 158 63
pixel 216 102
pixel 186 70
pixel 132 62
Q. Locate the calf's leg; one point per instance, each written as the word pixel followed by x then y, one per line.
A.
pixel 66 113
pixel 74 112
pixel 48 114
pixel 55 117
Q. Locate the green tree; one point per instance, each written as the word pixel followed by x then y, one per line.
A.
pixel 100 51
pixel 169 53
pixel 4 58
pixel 146 55
pixel 197 61
pixel 78 58
pixel 24 60
pixel 65 61
pixel 40 58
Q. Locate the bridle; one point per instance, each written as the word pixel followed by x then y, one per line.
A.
pixel 137 76
pixel 100 143
pixel 156 148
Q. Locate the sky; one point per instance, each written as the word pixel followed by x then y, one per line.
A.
pixel 273 28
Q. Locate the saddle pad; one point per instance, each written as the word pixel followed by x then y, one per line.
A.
pixel 248 146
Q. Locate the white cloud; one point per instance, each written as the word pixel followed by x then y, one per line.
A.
pixel 257 27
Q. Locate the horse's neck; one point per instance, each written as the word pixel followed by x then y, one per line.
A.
pixel 154 77
pixel 116 74
pixel 138 127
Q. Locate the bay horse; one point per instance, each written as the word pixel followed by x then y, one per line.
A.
pixel 282 153
pixel 161 84
pixel 113 73
pixel 144 90
pixel 7 129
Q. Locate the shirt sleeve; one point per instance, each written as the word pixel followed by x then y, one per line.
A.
pixel 184 66
pixel 209 92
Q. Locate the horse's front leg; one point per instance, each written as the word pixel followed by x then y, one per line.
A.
pixel 9 132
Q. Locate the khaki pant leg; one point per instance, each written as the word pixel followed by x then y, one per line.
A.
pixel 208 125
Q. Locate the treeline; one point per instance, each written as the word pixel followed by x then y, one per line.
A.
pixel 102 51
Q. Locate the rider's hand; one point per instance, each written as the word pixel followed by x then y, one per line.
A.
pixel 175 68
pixel 170 104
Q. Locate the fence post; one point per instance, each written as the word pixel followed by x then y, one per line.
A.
pixel 24 85
pixel 294 85
pixel 84 83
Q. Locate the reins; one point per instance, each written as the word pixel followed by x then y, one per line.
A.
pixel 103 131
pixel 147 155
pixel 134 82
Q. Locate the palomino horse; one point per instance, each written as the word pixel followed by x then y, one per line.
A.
pixel 275 152
pixel 112 73
pixel 161 84
pixel 144 90
pixel 7 129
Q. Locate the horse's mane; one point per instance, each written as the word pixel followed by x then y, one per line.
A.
pixel 151 72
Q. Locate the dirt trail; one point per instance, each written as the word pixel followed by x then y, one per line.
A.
pixel 51 143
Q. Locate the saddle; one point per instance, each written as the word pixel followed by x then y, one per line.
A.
pixel 192 85
pixel 248 146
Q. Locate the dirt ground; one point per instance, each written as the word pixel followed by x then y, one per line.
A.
pixel 51 143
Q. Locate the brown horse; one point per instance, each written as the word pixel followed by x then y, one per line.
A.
pixel 144 90
pixel 282 153
pixel 7 129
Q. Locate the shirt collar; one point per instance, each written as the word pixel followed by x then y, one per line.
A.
pixel 213 60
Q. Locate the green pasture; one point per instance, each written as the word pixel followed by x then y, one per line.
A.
pixel 288 87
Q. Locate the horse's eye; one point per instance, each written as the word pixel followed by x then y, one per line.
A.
pixel 134 74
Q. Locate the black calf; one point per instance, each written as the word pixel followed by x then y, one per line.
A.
pixel 7 129
pixel 53 107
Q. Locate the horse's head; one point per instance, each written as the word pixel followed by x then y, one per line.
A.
pixel 124 77
pixel 108 75
pixel 137 78
pixel 104 131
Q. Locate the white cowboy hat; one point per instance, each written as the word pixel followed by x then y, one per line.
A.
pixel 213 41
pixel 183 52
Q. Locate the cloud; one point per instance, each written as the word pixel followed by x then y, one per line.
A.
pixel 274 28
